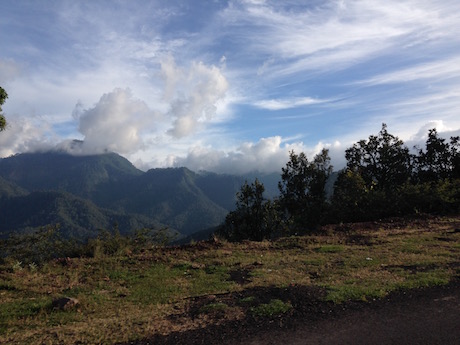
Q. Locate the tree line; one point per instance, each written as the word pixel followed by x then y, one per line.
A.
pixel 382 179
pixel 3 97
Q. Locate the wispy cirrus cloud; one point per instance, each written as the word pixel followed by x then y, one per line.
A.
pixel 440 69
pixel 335 35
pixel 287 103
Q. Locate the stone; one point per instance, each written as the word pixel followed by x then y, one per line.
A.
pixel 65 303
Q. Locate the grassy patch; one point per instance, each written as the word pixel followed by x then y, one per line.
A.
pixel 247 300
pixel 330 248
pixel 352 291
pixel 213 307
pixel 273 308
pixel 126 297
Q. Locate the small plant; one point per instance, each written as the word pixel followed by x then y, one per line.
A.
pixel 213 307
pixel 33 267
pixel 274 308
pixel 17 266
pixel 247 300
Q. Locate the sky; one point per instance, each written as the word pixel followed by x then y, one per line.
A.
pixel 229 86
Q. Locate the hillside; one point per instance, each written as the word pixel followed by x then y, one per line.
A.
pixel 79 175
pixel 78 218
pixel 86 193
pixel 9 189
pixel 170 196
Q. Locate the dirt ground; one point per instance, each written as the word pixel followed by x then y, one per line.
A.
pixel 420 317
pixel 423 316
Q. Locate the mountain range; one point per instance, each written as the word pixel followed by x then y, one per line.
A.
pixel 87 193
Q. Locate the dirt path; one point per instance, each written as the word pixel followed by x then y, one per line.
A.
pixel 419 317
pixel 424 316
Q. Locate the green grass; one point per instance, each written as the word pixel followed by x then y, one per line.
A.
pixel 330 248
pixel 127 297
pixel 213 307
pixel 273 308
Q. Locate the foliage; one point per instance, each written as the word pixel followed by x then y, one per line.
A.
pixel 255 218
pixel 436 197
pixel 383 161
pixel 112 243
pixel 273 308
pixel 383 180
pixel 79 218
pixel 302 190
pixel 38 247
pixel 3 97
pixel 440 160
pixel 350 198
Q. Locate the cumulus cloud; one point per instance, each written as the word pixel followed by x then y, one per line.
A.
pixel 193 95
pixel 121 123
pixel 266 156
pixel 115 123
pixel 25 135
pixel 419 138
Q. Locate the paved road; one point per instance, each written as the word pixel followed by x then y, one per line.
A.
pixel 418 318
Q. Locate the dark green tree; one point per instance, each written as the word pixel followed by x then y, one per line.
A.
pixel 350 198
pixel 436 162
pixel 3 97
pixel 254 217
pixel 455 156
pixel 302 190
pixel 383 161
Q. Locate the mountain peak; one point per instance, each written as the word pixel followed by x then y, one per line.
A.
pixel 57 170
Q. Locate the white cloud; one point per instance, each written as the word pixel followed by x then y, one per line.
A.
pixel 115 123
pixel 266 155
pixel 193 95
pixel 440 69
pixel 25 135
pixel 332 36
pixel 287 103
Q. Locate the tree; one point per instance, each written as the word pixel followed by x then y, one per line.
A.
pixel 349 201
pixel 3 97
pixel 455 156
pixel 383 161
pixel 254 217
pixel 436 162
pixel 302 189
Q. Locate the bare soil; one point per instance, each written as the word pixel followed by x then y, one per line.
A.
pixel 421 316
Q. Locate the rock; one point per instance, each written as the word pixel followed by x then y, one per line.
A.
pixel 65 303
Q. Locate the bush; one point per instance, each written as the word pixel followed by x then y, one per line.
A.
pixel 39 246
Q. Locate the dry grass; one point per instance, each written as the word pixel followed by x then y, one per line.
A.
pixel 125 298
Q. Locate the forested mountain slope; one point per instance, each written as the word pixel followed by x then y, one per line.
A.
pixel 85 193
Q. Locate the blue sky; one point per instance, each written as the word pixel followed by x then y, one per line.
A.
pixel 226 86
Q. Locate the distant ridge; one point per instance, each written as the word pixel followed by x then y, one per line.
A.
pixel 78 218
pixel 87 193
pixel 56 170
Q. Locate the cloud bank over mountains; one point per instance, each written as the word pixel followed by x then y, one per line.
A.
pixel 226 86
